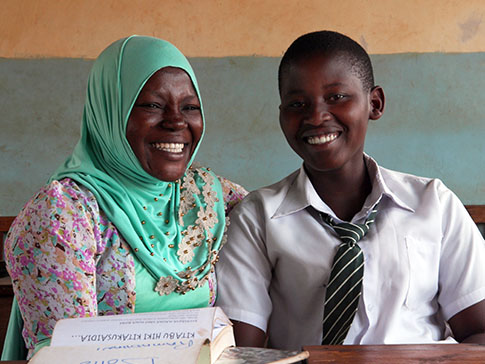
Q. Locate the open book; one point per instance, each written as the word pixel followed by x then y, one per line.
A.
pixel 197 336
pixel 184 336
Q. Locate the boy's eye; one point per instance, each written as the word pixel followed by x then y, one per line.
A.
pixel 296 104
pixel 336 97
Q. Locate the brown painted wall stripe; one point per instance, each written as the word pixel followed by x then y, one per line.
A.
pixel 209 28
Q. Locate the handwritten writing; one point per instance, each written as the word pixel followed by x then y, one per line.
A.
pixel 147 360
pixel 176 345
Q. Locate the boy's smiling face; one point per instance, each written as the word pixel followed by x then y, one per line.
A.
pixel 325 110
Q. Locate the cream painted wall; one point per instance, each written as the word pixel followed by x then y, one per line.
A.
pixel 210 28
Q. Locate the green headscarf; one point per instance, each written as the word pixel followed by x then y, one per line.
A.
pixel 145 210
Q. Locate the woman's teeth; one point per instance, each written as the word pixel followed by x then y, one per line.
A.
pixel 169 147
pixel 322 139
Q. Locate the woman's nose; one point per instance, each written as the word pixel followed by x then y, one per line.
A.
pixel 173 119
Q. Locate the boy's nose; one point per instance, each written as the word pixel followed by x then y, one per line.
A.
pixel 318 114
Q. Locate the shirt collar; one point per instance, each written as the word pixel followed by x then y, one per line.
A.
pixel 298 196
pixel 381 187
pixel 302 194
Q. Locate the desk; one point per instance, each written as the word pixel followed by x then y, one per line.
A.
pixel 397 354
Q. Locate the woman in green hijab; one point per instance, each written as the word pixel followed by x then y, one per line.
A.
pixel 126 224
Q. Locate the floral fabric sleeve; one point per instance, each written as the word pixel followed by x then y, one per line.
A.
pixel 50 254
pixel 233 193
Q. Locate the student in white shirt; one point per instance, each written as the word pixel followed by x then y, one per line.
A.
pixel 424 258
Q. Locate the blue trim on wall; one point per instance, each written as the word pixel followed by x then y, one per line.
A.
pixel 433 124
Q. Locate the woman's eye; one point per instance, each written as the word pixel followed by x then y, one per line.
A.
pixel 148 105
pixel 152 106
pixel 192 107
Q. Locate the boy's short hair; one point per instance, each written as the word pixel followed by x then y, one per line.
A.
pixel 325 42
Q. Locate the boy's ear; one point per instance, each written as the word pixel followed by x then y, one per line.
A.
pixel 377 101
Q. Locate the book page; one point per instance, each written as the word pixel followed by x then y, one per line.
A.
pixel 219 323
pixel 169 327
pixel 119 354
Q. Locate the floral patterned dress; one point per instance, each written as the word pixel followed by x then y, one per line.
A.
pixel 66 259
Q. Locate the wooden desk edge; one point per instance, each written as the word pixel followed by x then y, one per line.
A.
pixel 477 212
pixel 5 222
pixel 409 353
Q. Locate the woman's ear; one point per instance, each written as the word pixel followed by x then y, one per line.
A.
pixel 377 102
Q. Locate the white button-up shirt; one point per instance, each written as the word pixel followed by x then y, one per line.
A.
pixel 424 261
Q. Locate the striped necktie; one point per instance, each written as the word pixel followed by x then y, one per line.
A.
pixel 345 283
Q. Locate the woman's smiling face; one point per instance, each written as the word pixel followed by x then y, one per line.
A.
pixel 165 124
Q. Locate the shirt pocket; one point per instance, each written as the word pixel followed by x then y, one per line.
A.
pixel 422 260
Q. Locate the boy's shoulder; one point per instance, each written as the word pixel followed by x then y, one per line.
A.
pixel 269 197
pixel 411 188
pixel 403 177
